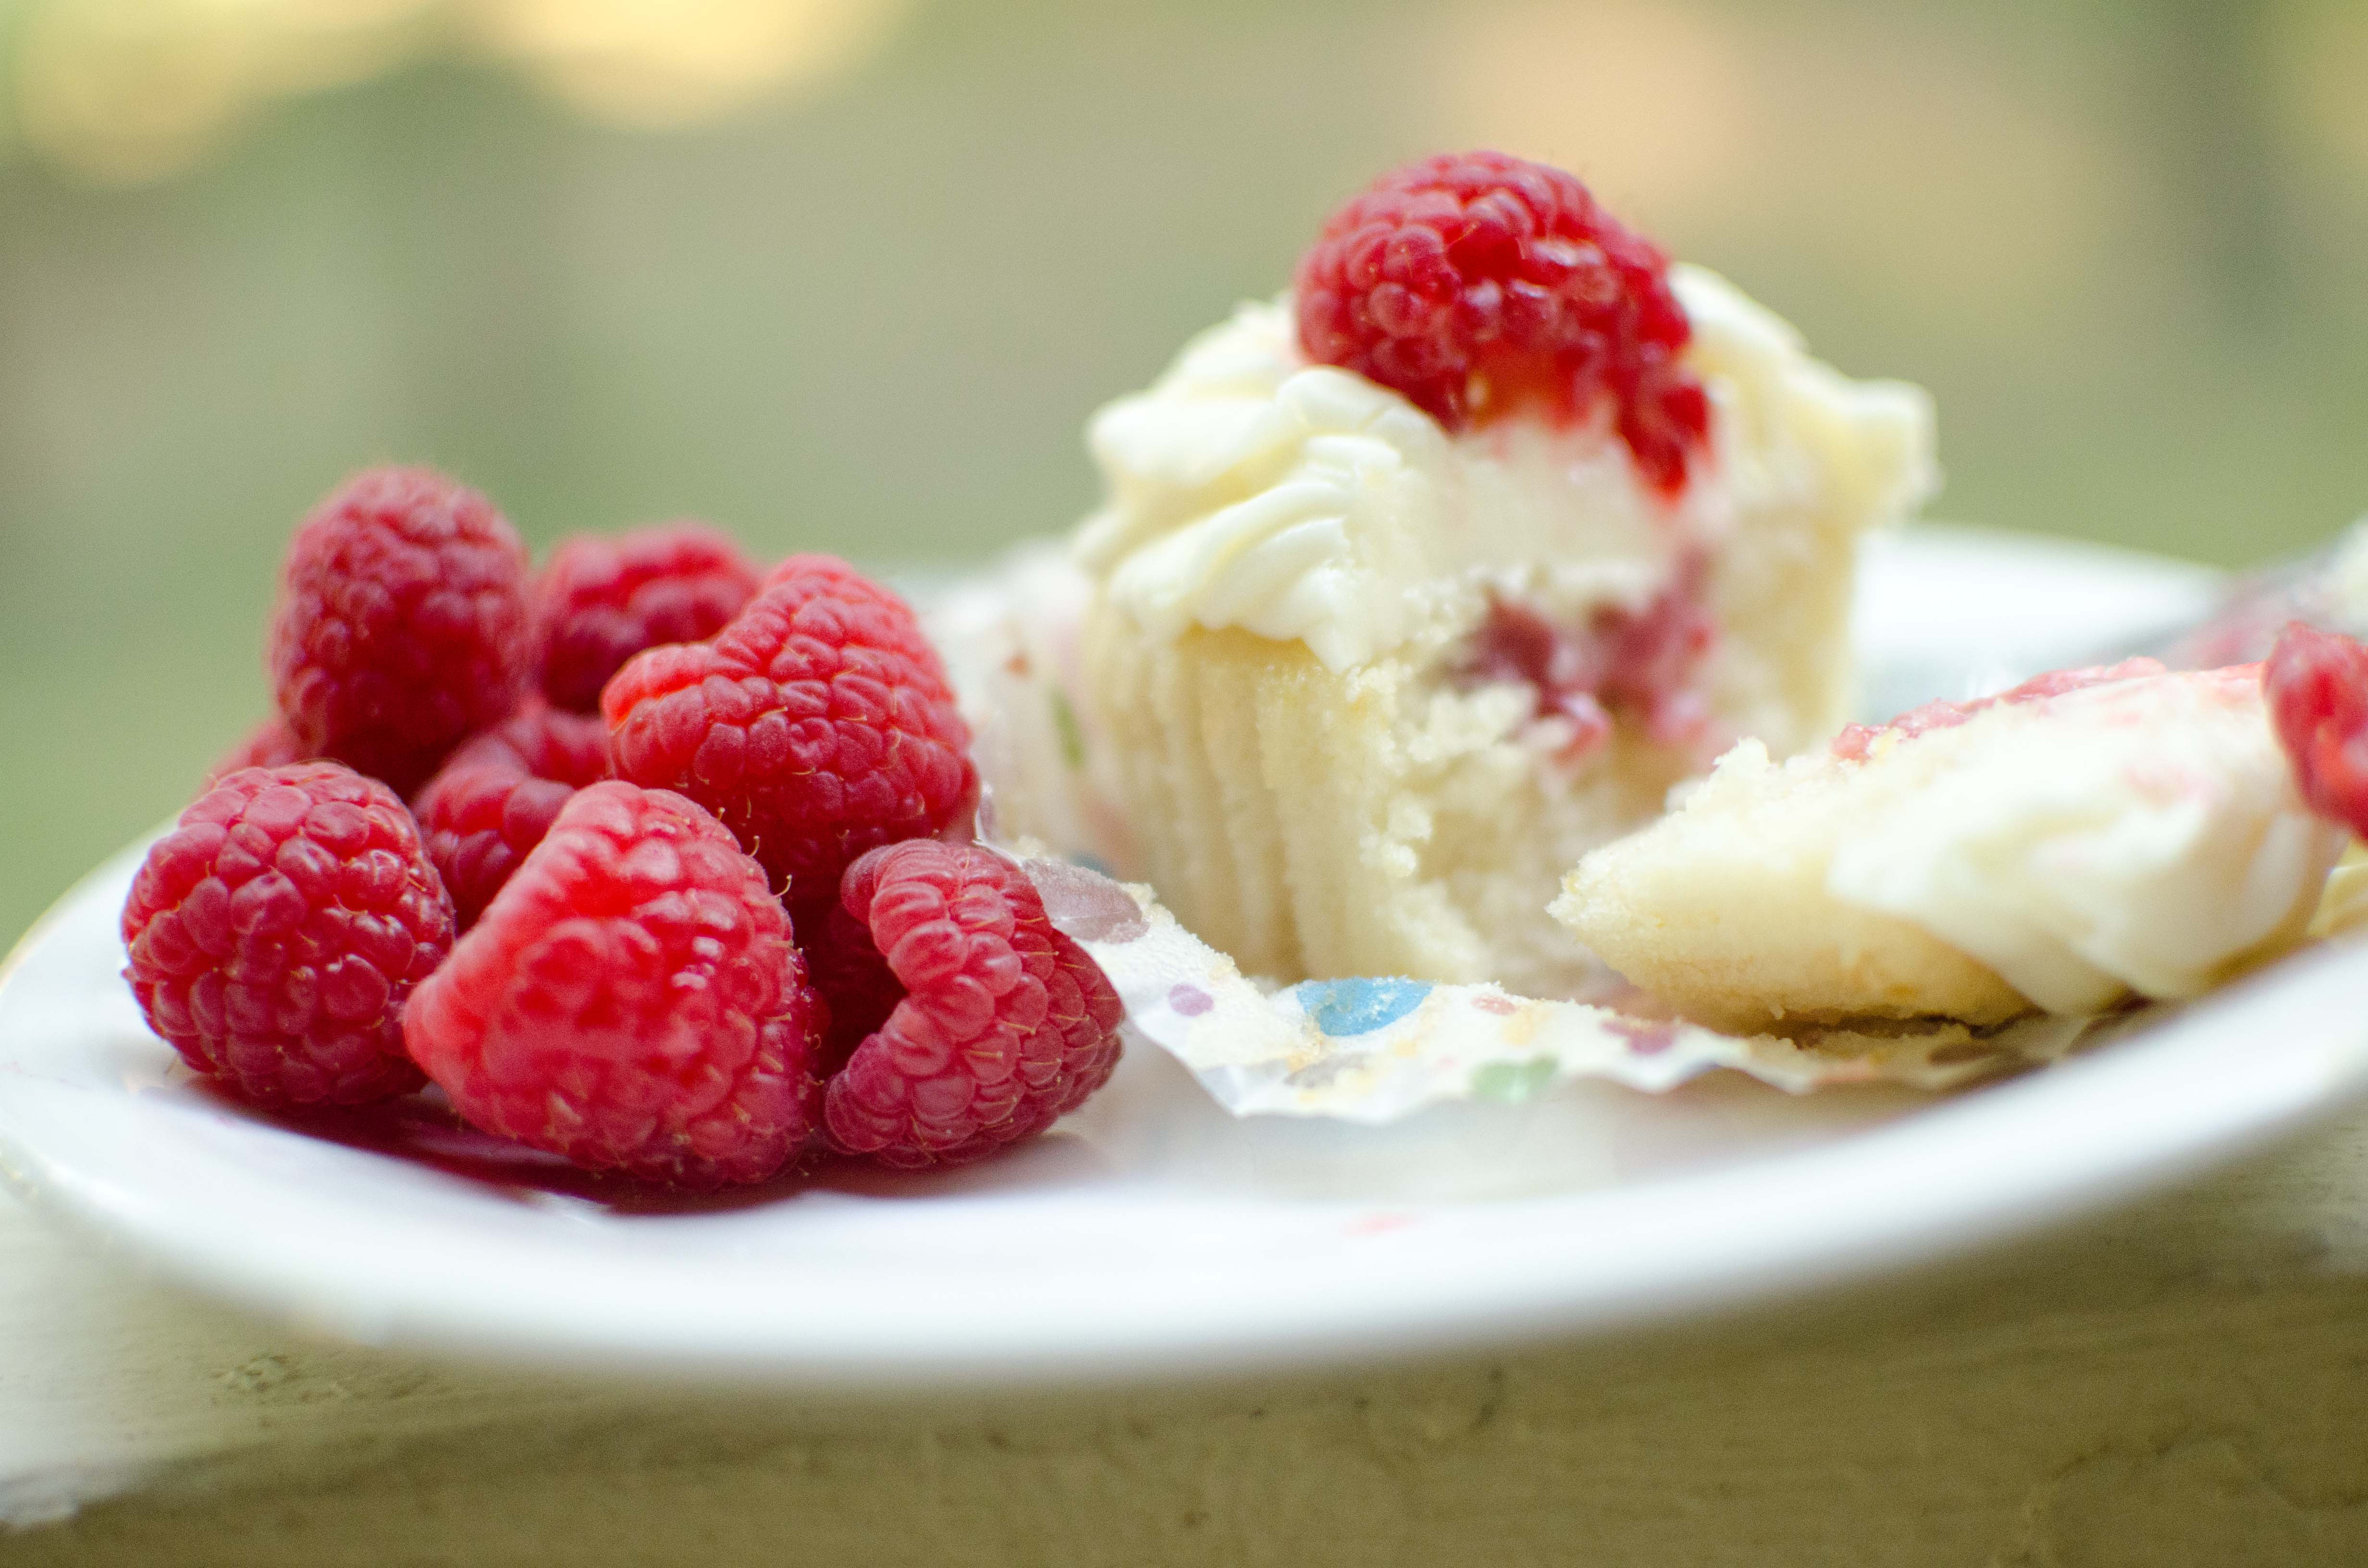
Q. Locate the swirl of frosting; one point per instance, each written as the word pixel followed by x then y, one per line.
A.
pixel 1247 488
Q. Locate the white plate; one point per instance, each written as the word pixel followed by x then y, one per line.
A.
pixel 1154 1234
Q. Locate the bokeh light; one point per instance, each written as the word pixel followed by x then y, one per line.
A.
pixel 122 91
pixel 659 63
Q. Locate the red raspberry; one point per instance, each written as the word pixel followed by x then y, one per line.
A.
pixel 495 797
pixel 1477 282
pixel 2315 685
pixel 543 741
pixel 630 1000
pixel 401 623
pixel 271 743
pixel 600 601
pixel 1006 1025
pixel 276 931
pixel 819 724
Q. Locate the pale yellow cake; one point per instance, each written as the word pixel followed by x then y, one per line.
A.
pixel 2061 850
pixel 1303 586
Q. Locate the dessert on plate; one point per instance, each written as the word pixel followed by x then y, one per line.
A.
pixel 1416 583
pixel 2089 836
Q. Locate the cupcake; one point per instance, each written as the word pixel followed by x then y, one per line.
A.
pixel 2087 838
pixel 1414 584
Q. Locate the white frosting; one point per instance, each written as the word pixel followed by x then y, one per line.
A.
pixel 1247 488
pixel 2138 835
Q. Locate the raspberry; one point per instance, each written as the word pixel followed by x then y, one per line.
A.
pixel 543 741
pixel 2316 686
pixel 401 623
pixel 276 931
pixel 600 601
pixel 819 724
pixel 495 797
pixel 1006 1024
pixel 1477 282
pixel 271 743
pixel 630 1000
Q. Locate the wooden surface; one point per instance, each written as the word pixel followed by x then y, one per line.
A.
pixel 2184 1383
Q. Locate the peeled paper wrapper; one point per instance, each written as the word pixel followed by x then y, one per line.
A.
pixel 1368 1050
pixel 1376 1050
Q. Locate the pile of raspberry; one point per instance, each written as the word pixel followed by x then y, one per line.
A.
pixel 652 860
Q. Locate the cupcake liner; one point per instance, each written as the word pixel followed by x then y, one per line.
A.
pixel 1374 1050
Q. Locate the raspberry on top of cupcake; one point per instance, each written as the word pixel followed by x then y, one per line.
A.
pixel 1476 284
pixel 1417 582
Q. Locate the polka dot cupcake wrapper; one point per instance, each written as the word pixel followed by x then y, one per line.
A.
pixel 1376 1049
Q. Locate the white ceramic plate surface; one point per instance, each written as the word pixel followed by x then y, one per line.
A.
pixel 1153 1234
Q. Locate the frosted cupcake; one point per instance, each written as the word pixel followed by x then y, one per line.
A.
pixel 1417 583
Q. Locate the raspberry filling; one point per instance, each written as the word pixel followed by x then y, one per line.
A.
pixel 1479 284
pixel 1856 742
pixel 1636 665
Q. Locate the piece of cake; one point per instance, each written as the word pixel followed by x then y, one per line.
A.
pixel 1416 582
pixel 2088 835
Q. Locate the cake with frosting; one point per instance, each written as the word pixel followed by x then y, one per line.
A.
pixel 2086 837
pixel 1413 585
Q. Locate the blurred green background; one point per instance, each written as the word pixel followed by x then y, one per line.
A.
pixel 849 274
